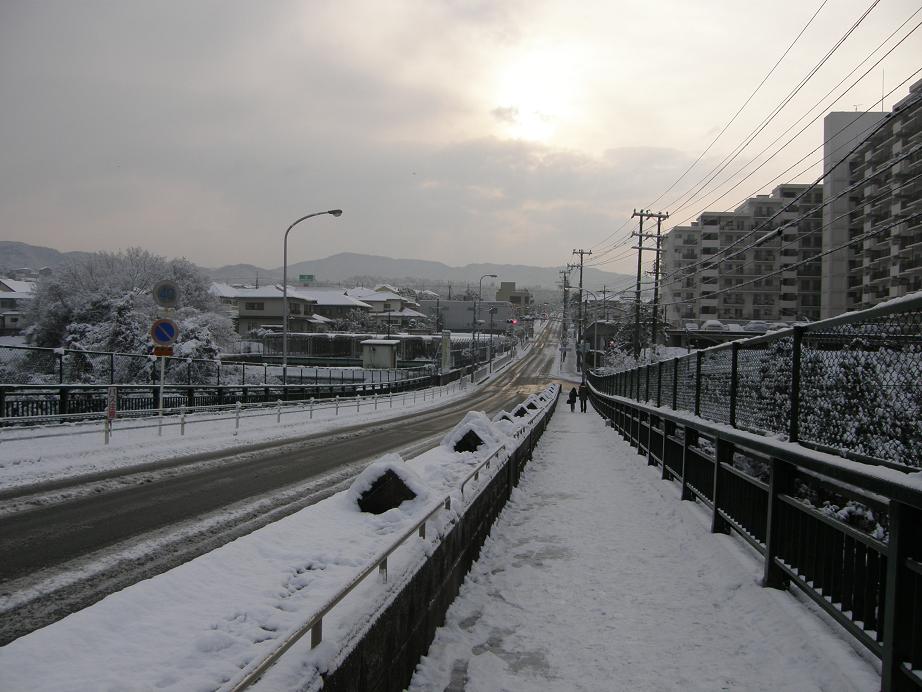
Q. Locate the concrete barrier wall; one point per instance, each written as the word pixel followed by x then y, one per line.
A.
pixel 385 658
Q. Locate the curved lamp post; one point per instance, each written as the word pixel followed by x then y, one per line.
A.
pixel 477 323
pixel 595 326
pixel 331 212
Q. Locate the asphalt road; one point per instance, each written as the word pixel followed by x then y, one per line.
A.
pixel 47 539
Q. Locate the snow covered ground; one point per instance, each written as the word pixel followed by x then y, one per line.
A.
pixel 596 577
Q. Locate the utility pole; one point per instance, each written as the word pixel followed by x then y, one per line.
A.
pixel 563 283
pixel 579 327
pixel 656 268
pixel 640 248
pixel 604 302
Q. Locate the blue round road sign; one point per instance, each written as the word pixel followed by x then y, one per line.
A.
pixel 164 332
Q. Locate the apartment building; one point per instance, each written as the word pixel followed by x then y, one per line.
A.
pixel 745 282
pixel 520 298
pixel 875 200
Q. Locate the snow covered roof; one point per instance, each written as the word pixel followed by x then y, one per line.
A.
pixel 406 312
pixel 319 319
pixel 264 292
pixel 380 342
pixel 387 288
pixel 370 295
pixel 16 286
pixel 328 297
pixel 16 295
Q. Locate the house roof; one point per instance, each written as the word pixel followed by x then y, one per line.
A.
pixel 15 295
pixel 370 295
pixel 406 312
pixel 17 286
pixel 328 297
pixel 264 292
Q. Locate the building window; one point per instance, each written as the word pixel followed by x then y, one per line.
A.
pixel 254 306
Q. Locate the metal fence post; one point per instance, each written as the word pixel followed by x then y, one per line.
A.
pixel 698 383
pixel 905 543
pixel 675 383
pixel 61 367
pixel 659 384
pixel 734 360
pixel 794 431
pixel 780 483
pixel 723 455
pixel 111 368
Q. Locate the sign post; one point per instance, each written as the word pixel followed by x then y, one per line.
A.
pixel 111 407
pixel 163 333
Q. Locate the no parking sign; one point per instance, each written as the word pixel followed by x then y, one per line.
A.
pixel 163 332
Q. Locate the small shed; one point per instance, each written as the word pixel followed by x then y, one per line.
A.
pixel 380 353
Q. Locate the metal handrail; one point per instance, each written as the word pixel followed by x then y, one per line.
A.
pixel 475 474
pixel 315 624
pixel 844 470
pixel 170 410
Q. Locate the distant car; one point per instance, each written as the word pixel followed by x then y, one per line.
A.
pixel 732 327
pixel 760 326
pixel 691 326
pixel 778 325
pixel 713 326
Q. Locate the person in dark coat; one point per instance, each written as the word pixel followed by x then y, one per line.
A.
pixel 583 397
pixel 571 399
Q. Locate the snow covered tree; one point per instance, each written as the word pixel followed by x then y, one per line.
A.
pixel 104 303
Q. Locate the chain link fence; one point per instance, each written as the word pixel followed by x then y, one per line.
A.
pixel 851 384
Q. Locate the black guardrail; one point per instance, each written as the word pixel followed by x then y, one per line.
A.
pixel 847 534
pixel 851 384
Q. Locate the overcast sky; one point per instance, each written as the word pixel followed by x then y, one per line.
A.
pixel 482 131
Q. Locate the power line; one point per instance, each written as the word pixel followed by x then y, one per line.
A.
pixel 875 128
pixel 813 120
pixel 740 109
pixel 676 206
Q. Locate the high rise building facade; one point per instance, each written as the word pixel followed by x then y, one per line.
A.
pixel 772 281
pixel 874 202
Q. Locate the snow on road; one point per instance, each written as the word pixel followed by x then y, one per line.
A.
pixel 596 577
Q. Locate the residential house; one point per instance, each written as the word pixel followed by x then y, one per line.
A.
pixel 14 294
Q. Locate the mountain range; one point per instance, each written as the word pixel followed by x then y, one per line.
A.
pixel 346 267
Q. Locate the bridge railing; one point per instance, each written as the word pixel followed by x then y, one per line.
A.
pixel 851 384
pixel 845 533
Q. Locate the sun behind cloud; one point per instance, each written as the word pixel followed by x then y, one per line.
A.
pixel 535 92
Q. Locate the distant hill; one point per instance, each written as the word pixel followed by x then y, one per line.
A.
pixel 349 265
pixel 14 255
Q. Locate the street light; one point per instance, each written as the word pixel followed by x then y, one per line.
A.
pixel 477 322
pixel 595 328
pixel 331 212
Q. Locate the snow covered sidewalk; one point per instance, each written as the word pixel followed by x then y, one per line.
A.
pixel 596 577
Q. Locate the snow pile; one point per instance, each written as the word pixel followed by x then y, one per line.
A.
pixel 203 624
pixel 478 423
pixel 393 463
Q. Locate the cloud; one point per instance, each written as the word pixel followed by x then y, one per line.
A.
pixel 509 114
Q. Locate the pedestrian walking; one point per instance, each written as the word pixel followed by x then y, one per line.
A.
pixel 583 397
pixel 571 399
